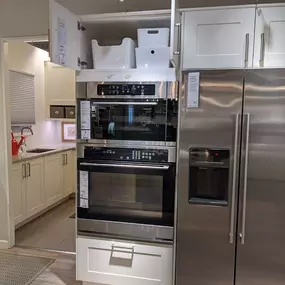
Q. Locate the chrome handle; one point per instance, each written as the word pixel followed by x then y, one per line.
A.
pixel 246 50
pixel 242 234
pixel 178 25
pixel 160 167
pixel 29 170
pixel 235 158
pixel 262 48
pixel 24 171
pixel 63 159
pixel 132 249
pixel 66 159
pixel 126 103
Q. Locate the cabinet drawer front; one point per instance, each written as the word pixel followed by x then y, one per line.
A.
pixel 112 262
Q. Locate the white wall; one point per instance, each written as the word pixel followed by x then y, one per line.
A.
pixel 6 229
pixel 26 58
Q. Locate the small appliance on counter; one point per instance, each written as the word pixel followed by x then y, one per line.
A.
pixel 114 57
pixel 153 48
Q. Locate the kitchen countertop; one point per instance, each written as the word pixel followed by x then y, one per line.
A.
pixel 57 149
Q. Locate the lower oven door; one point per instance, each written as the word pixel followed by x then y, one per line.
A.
pixel 126 192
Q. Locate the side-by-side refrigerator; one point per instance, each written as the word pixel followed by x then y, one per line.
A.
pixel 231 178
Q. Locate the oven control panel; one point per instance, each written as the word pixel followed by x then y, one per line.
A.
pixel 126 154
pixel 125 89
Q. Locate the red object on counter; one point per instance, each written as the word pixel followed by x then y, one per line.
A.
pixel 16 145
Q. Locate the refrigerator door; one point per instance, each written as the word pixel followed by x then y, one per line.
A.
pixel 207 177
pixel 261 229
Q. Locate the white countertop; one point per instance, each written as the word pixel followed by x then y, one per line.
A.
pixel 56 149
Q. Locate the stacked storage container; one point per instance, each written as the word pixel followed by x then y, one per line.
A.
pixel 153 48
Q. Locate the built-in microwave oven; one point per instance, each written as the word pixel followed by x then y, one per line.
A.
pixel 108 116
pixel 126 191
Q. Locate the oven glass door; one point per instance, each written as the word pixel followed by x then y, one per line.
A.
pixel 134 193
pixel 152 120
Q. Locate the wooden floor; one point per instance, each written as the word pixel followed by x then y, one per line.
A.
pixel 61 272
pixel 54 230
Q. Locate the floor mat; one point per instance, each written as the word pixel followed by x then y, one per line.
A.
pixel 21 269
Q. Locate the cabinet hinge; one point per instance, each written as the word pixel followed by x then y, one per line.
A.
pixel 82 64
pixel 80 27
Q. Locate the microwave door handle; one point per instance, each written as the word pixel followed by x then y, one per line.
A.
pixel 126 103
pixel 158 167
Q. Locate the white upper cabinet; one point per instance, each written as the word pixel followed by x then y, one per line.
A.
pixel 218 38
pixel 175 34
pixel 71 35
pixel 269 48
pixel 65 37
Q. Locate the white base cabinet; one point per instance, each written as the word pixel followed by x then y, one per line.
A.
pixel 18 191
pixel 53 178
pixel 35 187
pixel 69 173
pixel 27 187
pixel 218 38
pixel 40 183
pixel 114 262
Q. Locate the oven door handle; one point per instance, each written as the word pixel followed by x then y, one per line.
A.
pixel 160 167
pixel 126 103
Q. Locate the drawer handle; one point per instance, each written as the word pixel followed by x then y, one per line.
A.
pixel 121 261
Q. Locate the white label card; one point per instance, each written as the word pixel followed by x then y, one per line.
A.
pixel 193 92
pixel 61 32
pixel 84 184
pixel 85 115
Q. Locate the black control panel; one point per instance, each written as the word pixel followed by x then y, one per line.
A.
pixel 209 156
pixel 126 154
pixel 126 89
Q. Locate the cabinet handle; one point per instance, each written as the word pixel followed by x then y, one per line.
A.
pixel 246 50
pixel 63 159
pixel 178 25
pixel 66 159
pixel 262 49
pixel 24 171
pixel 29 170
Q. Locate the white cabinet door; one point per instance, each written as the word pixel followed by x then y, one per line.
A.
pixel 35 187
pixel 60 85
pixel 112 262
pixel 53 178
pixel 18 189
pixel 65 37
pixel 175 34
pixel 218 38
pixel 69 173
pixel 269 48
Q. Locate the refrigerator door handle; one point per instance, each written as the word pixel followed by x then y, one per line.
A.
pixel 235 160
pixel 242 234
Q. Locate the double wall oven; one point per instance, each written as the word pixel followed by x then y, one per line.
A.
pixel 127 160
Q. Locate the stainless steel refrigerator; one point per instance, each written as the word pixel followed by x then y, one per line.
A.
pixel 231 178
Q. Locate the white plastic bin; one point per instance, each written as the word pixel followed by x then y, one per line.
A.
pixel 114 57
pixel 153 57
pixel 153 37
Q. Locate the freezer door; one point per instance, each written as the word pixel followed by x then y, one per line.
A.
pixel 207 177
pixel 261 250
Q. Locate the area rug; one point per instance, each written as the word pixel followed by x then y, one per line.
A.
pixel 21 269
